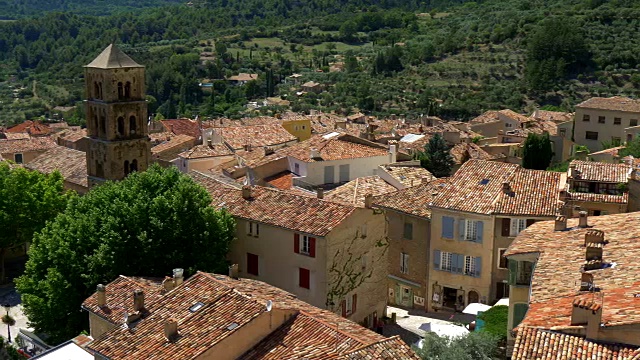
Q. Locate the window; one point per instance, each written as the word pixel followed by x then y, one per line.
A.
pixel 508 125
pixel 132 125
pixel 127 90
pixel 586 117
pixel 519 311
pixel 517 225
pixel 408 231
pixel 120 125
pixel 296 168
pixel 253 229
pixel 447 227
pixel 18 158
pixel 633 122
pixel 445 261
pixel 520 272
pixel 305 245
pixel 363 230
pixel 469 265
pixel 126 167
pixel 304 278
pixel 120 91
pixel 134 166
pixel 252 264
pixel 503 263
pixel 304 127
pixel 563 132
pixel 471 230
pixel 349 305
pixel 601 120
pixel 404 263
pixel 617 121
pixel 591 135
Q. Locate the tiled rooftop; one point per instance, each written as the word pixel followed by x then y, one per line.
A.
pixel 183 127
pixel 560 263
pixel 408 175
pixel 412 200
pixel 486 117
pixel 465 151
pixel 354 192
pixel 600 171
pixel 255 135
pixel 282 180
pixel 541 344
pixel 478 187
pixel 283 209
pixel 389 349
pixel 72 164
pixel 14 136
pixel 72 135
pixel 336 147
pixel 613 103
pixel 601 198
pixel 204 151
pixel 555 116
pixel 24 145
pixel 33 128
pixel 171 148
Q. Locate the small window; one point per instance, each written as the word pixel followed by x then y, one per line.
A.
pixel 591 135
pixel 252 264
pixel 404 263
pixel 349 304
pixel 470 230
pixel 296 169
pixel 503 262
pixel 517 225
pixel 305 245
pixel 304 127
pixel 253 229
pixel 586 118
pixel 18 158
pixel 469 265
pixel 617 121
pixel 563 132
pixel 120 125
pixel 133 125
pixel 195 307
pixel 633 122
pixel 363 230
pixel 602 120
pixel 304 278
pixel 508 125
pixel 408 231
pixel 484 181
pixel 446 261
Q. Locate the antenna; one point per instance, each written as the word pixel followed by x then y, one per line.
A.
pixel 269 305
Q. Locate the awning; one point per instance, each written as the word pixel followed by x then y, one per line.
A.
pixel 408 282
pixel 474 308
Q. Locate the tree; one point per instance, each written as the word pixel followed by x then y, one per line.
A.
pixel 436 157
pixel 631 148
pixel 28 199
pixel 144 225
pixel 474 346
pixel 495 321
pixel 537 152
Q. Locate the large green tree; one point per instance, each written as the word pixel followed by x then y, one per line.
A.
pixel 436 157
pixel 144 225
pixel 474 346
pixel 537 152
pixel 28 199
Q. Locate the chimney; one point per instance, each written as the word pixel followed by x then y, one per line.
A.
pixel 168 284
pixel 392 153
pixel 209 143
pixel 171 329
pixel 178 276
pixel 246 192
pixel 138 300
pixel 506 188
pixel 233 271
pixel 594 236
pixel 102 295
pixel 314 153
pixel 320 192
pixel 368 201
pixel 560 223
pixel 593 252
pixel 588 314
pixel 425 180
pixel 583 219
pixel 268 150
pixel 586 282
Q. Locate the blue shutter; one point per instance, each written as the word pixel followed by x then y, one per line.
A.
pixel 479 228
pixel 461 229
pixel 454 263
pixel 460 263
pixel 436 259
pixel 478 266
pixel 447 227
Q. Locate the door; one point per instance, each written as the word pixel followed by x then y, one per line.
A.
pixel 407 296
pixel 398 295
pixel 344 173
pixel 436 298
pixel 329 174
pixel 473 297
pixel 459 299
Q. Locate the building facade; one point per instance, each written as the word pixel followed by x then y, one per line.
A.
pixel 601 120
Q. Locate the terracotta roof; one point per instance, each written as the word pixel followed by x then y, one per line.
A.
pixel 541 344
pixel 389 349
pixel 561 259
pixel 600 171
pixel 340 146
pixel 25 145
pixel 413 200
pixel 466 151
pixel 298 213
pixel 477 187
pixel 555 116
pixel 72 164
pixel 282 180
pixel 14 136
pixel 243 77
pixel 601 198
pixel 33 128
pixel 408 175
pixel 204 151
pixel 170 149
pixel 73 135
pixel 354 192
pixel 112 57
pixel 255 135
pixel 182 127
pixel 159 137
pixel 612 151
pixel 514 115
pixel 486 117
pixel 618 103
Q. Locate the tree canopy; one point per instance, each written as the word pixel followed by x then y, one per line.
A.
pixel 436 157
pixel 144 225
pixel 495 321
pixel 28 199
pixel 474 346
pixel 537 152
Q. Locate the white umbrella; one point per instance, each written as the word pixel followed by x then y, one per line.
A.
pixel 503 301
pixel 449 330
pixel 474 308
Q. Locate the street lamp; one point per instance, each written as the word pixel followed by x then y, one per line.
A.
pixel 7 307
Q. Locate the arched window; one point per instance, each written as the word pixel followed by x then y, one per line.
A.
pixel 103 124
pixel 100 90
pixel 134 165
pixel 126 167
pixel 120 125
pixel 133 126
pixel 95 124
pixel 127 90
pixel 96 90
pixel 120 91
pixel 99 169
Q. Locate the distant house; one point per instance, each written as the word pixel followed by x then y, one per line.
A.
pixel 24 150
pixel 72 165
pixel 598 188
pixel 312 86
pixel 241 78
pixel 74 139
pixel 599 120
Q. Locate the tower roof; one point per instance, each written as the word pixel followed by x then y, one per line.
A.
pixel 112 57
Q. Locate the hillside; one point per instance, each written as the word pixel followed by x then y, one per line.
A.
pixel 17 9
pixel 404 57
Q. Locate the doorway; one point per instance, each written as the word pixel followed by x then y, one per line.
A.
pixel 406 296
pixel 473 297
pixel 449 297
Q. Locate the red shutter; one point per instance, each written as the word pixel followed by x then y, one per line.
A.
pixel 304 278
pixel 312 247
pixel 353 305
pixel 252 264
pixel 343 305
pixel 296 243
pixel 506 226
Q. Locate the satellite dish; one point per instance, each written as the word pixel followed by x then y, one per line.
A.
pixel 269 305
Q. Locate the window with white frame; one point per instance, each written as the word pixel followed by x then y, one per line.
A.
pixel 349 304
pixel 253 229
pixel 445 261
pixel 404 263
pixel 469 265
pixel 305 245
pixel 517 225
pixel 470 230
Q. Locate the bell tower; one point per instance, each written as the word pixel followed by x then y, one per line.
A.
pixel 116 112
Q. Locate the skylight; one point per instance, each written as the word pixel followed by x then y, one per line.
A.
pixel 232 326
pixel 484 181
pixel 330 135
pixel 195 307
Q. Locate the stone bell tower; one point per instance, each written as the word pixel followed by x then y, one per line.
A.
pixel 116 113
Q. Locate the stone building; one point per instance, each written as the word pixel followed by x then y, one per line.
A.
pixel 116 117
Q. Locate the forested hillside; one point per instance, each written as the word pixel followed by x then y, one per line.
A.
pixel 447 58
pixel 16 9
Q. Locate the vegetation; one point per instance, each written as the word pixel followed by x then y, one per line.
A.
pixel 436 157
pixel 495 321
pixel 144 225
pixel 474 346
pixel 537 152
pixel 631 148
pixel 28 199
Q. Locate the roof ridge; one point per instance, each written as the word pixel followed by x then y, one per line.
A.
pixel 329 325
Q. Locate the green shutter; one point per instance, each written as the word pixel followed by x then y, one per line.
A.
pixel 519 312
pixel 513 270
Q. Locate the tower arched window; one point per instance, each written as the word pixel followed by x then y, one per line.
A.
pixel 96 90
pixel 133 126
pixel 103 124
pixel 126 167
pixel 121 126
pixel 120 91
pixel 95 124
pixel 127 90
pixel 134 166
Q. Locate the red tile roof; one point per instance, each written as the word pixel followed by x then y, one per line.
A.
pixel 25 145
pixel 33 128
pixel 72 164
pixel 182 127
pixel 354 192
pixel 338 147
pixel 255 135
pixel 283 209
pixel 613 103
pixel 205 151
pixel 541 344
pixel 282 180
pixel 466 151
pixel 73 135
pixel 560 264
pixel 600 198
pixel 600 171
pixel 407 175
pixel 170 149
pixel 390 349
pixel 413 200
